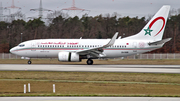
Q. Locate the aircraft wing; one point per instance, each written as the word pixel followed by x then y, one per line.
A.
pixel 97 52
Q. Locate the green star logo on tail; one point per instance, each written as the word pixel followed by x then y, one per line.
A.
pixel 148 31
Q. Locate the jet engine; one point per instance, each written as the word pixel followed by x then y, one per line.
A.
pixel 68 57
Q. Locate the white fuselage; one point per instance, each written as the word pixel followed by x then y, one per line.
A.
pixel 49 48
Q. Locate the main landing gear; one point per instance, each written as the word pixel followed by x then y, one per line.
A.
pixel 89 62
pixel 29 62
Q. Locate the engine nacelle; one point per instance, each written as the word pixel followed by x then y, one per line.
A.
pixel 68 57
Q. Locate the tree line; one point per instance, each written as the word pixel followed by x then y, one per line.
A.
pixel 85 27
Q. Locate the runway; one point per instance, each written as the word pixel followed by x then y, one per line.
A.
pixel 93 68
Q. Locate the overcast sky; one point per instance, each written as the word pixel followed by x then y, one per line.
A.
pixel 130 8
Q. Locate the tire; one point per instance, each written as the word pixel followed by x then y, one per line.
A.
pixel 29 62
pixel 89 62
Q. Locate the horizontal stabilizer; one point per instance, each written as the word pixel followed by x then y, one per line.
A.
pixel 160 42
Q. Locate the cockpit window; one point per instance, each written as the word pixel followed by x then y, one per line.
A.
pixel 21 45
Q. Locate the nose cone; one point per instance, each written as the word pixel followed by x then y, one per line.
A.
pixel 12 50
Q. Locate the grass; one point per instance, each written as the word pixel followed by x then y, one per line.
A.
pixel 91 76
pixel 42 87
pixel 89 84
pixel 109 61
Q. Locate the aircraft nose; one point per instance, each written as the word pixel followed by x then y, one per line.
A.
pixel 11 50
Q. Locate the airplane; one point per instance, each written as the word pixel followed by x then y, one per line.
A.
pixel 74 50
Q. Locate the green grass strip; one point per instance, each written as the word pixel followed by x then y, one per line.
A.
pixel 75 81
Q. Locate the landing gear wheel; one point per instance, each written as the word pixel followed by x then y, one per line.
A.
pixel 29 62
pixel 89 62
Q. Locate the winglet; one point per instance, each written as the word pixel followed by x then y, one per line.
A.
pixel 111 42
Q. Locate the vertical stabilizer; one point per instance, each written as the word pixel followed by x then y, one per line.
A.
pixel 154 29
